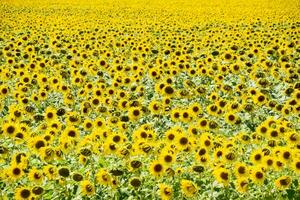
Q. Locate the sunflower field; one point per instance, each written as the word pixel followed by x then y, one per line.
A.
pixel 137 99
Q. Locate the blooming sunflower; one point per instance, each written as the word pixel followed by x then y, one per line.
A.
pixel 222 175
pixel 103 177
pixel 188 188
pixel 242 185
pixel 165 191
pixel 257 175
pixel 87 188
pixel 23 193
pixel 156 168
pixel 283 182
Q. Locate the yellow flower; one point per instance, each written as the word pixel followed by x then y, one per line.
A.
pixel 10 129
pixel 175 114
pixel 50 172
pixel 156 168
pixel 241 170
pixel 103 177
pixel 167 158
pixel 257 175
pixel 87 188
pixel 36 175
pixel 50 114
pixel 165 191
pixel 222 175
pixel 23 193
pixel 188 188
pixel 134 113
pixel 296 165
pixel 268 162
pixel 256 157
pixel 242 185
pixel 186 115
pixel 231 118
pixel 155 107
pixel 283 182
pixel 15 172
pixel 182 141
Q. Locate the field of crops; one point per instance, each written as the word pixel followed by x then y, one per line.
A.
pixel 137 99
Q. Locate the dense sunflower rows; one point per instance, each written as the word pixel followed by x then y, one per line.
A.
pixel 136 99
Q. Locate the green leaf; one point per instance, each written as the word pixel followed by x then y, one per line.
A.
pixel 291 193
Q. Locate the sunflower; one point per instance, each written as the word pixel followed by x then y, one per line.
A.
pixel 188 188
pixel 182 141
pixel 36 175
pixel 88 124
pixel 65 146
pixel 155 107
pixel 10 129
pixel 157 168
pixel 222 175
pixel 15 112
pixel 203 124
pixel 287 154
pixel 257 175
pixel 165 191
pixel 244 138
pixel 110 147
pixel 135 182
pixel 256 156
pixel 262 129
pixel 73 118
pixel 279 164
pixel 20 159
pixel 268 162
pixel 37 190
pixel 134 113
pixel 283 182
pixel 231 118
pixel 37 143
pixel 21 136
pixel 42 95
pixel 296 165
pixel 213 109
pixel 23 193
pixel 273 134
pixel 87 188
pixel 229 156
pixel 186 115
pixel 292 138
pixel 202 152
pixel 259 99
pixel 134 165
pixel 176 114
pixel 50 171
pixel 4 91
pixel 204 160
pixel 50 114
pixel 103 177
pixel 15 172
pixel 219 153
pixel 47 153
pixel 99 123
pixel 169 91
pixel 167 158
pixel 71 133
pixel 64 172
pixel 242 185
pixel 227 56
pixel 241 170
pixel 77 177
